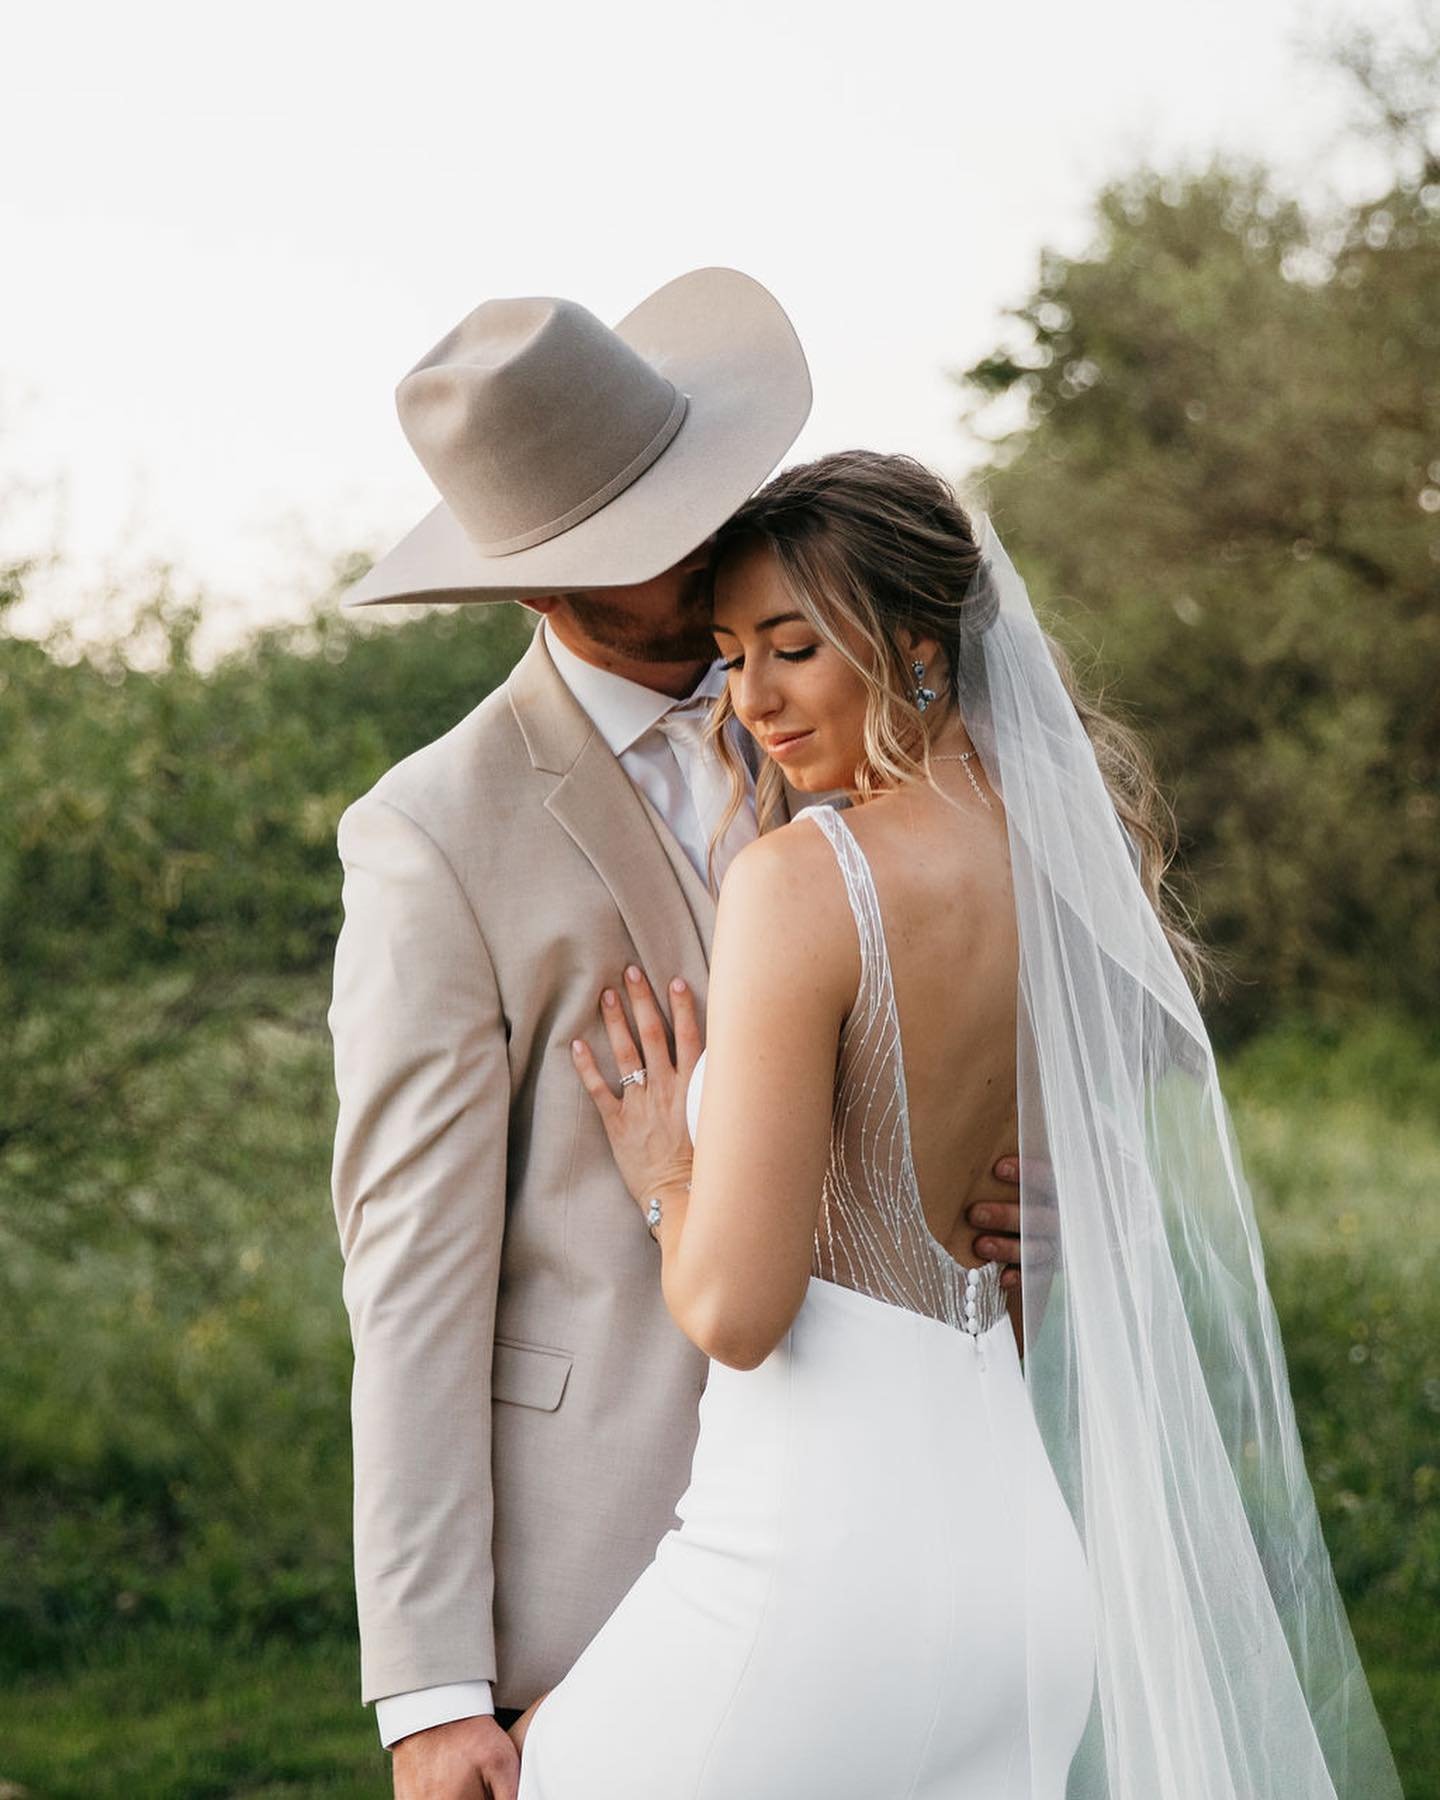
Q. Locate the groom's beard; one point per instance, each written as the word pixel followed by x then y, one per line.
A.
pixel 684 636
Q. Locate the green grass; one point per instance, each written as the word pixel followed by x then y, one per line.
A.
pixel 1342 1145
pixel 178 1715
pixel 1400 1648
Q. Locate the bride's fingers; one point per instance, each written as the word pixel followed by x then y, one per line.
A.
pixel 653 1041
pixel 617 1029
pixel 593 1082
pixel 688 1042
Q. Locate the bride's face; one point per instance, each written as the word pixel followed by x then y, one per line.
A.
pixel 791 689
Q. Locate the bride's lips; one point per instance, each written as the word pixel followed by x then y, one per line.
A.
pixel 781 745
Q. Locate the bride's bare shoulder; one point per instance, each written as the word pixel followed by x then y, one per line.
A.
pixel 784 892
pixel 791 854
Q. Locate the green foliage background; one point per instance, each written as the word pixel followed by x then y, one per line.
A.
pixel 1228 495
pixel 1224 487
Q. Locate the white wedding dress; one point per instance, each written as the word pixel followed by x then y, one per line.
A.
pixel 870 1522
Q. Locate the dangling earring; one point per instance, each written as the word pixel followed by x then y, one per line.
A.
pixel 922 695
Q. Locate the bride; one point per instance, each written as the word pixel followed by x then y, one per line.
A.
pixel 973 943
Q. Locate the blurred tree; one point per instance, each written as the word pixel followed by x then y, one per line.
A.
pixel 167 835
pixel 1226 489
pixel 164 814
pixel 1394 69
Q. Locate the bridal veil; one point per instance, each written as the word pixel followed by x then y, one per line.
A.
pixel 1226 1668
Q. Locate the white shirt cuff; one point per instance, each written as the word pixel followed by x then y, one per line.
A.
pixel 399 1714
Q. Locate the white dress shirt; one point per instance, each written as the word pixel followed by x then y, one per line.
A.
pixel 660 746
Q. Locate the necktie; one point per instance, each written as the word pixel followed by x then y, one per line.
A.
pixel 707 780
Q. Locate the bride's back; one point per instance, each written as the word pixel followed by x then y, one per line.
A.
pixel 942 878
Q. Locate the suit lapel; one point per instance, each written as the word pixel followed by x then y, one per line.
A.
pixel 599 806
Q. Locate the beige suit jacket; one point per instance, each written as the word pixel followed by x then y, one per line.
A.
pixel 524 1408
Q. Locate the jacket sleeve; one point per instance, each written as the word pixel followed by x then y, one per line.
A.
pixel 419 1194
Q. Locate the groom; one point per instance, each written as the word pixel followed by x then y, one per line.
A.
pixel 524 1409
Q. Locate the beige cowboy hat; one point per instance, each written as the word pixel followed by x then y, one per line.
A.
pixel 569 455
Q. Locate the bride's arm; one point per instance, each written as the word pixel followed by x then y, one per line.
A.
pixel 736 1239
pixel 783 970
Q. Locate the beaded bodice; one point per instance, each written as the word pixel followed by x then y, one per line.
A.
pixel 871 1234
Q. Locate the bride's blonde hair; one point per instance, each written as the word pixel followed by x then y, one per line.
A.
pixel 870 545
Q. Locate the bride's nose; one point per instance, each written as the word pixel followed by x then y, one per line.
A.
pixel 756 697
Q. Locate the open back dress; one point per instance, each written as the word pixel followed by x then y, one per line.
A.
pixel 875 1591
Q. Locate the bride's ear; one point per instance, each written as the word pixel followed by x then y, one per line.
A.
pixel 917 648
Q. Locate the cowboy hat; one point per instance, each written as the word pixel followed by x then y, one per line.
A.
pixel 572 456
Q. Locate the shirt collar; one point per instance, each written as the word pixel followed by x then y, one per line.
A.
pixel 621 711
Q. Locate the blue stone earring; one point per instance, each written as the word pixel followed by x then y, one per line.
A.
pixel 922 695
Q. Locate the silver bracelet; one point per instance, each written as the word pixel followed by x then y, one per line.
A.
pixel 652 1213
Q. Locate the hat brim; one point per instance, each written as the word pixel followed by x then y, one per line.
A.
pixel 726 343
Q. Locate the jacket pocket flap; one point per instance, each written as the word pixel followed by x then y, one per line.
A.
pixel 529 1374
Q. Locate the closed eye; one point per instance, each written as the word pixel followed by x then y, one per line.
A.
pixel 791 656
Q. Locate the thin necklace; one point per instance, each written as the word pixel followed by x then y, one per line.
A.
pixel 965 756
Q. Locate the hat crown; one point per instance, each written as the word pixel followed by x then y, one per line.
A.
pixel 530 415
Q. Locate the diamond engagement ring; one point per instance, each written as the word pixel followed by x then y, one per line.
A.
pixel 637 1077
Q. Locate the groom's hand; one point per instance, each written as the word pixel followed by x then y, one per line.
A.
pixel 468 1759
pixel 994 1217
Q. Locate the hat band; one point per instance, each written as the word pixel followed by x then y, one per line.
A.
pixel 632 472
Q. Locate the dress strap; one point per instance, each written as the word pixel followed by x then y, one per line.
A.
pixel 876 992
pixel 872 1059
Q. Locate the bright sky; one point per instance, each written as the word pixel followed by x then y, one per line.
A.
pixel 229 231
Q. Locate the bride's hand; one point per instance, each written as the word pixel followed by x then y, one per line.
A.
pixel 645 1122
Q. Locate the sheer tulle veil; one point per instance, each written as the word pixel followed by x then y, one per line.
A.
pixel 1226 1668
